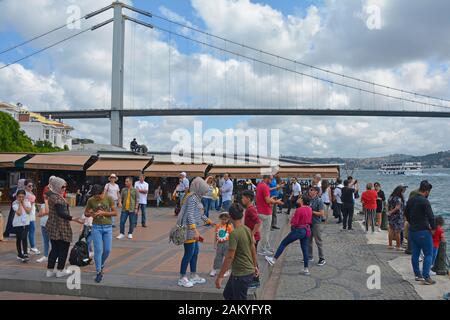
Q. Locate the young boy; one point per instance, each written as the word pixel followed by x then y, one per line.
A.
pixel 223 230
pixel 438 236
pixel 253 222
pixel 21 224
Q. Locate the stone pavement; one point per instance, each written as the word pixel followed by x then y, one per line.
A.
pixel 344 276
pixel 146 267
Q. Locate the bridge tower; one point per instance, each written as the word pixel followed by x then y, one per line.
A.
pixel 117 75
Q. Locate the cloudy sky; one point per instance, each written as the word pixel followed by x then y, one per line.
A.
pixel 408 48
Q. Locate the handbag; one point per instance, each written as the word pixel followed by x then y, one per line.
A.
pixel 177 234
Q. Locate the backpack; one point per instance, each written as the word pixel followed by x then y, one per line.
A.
pixel 79 255
pixel 177 234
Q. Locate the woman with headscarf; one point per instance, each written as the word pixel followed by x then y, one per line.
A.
pixel 9 224
pixel 192 215
pixel 58 227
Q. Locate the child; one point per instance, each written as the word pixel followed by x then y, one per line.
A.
pixel 253 222
pixel 300 230
pixel 21 224
pixel 438 236
pixel 223 230
pixel 43 214
pixel 86 231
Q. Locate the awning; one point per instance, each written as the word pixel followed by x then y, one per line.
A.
pixel 240 172
pixel 120 167
pixel 57 162
pixel 173 170
pixel 8 160
pixel 307 172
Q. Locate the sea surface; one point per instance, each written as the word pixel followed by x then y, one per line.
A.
pixel 439 197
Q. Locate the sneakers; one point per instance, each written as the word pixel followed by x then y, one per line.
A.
pixel 321 262
pixel 197 280
pixel 185 282
pixel 227 274
pixel 35 251
pixel 213 273
pixel 120 236
pixel 306 272
pixel 429 281
pixel 310 260
pixel 432 273
pixel 62 274
pixel 270 260
pixel 23 258
pixel 265 253
pixel 378 229
pixel 50 274
pixel 42 259
pixel 419 278
pixel 130 236
pixel 99 277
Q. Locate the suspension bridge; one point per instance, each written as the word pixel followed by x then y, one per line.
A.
pixel 206 74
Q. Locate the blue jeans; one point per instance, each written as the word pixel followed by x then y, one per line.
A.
pixel 142 207
pixel 435 253
pixel 294 235
pixel 207 205
pixel 219 204
pixel 421 241
pixel 31 234
pixel 190 258
pixel 45 241
pixel 102 237
pixel 123 219
pixel 226 205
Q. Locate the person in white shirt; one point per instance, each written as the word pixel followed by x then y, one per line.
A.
pixel 296 191
pixel 21 224
pixel 112 190
pixel 337 206
pixel 142 187
pixel 227 192
pixel 32 227
pixel 317 182
pixel 326 198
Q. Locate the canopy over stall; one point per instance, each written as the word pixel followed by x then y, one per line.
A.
pixel 170 170
pixel 54 161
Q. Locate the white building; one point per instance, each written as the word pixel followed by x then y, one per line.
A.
pixel 38 127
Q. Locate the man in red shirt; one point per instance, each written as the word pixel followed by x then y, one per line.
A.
pixel 264 205
pixel 369 201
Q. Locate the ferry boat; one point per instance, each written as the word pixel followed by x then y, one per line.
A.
pixel 405 168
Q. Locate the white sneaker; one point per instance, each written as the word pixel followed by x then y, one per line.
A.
pixel 270 260
pixel 227 274
pixel 306 272
pixel 432 273
pixel 184 282
pixel 42 259
pixel 50 274
pixel 62 274
pixel 263 253
pixel 213 273
pixel 130 236
pixel 197 280
pixel 35 251
pixel 378 229
pixel 120 237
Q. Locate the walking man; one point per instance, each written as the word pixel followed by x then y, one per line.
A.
pixel 317 206
pixel 130 199
pixel 421 222
pixel 227 192
pixel 241 257
pixel 142 187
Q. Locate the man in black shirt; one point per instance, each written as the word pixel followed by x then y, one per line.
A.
pixel 348 205
pixel 421 222
pixel 380 202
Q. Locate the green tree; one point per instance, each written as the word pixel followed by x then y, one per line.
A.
pixel 12 139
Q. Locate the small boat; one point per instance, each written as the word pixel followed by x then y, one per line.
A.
pixel 405 168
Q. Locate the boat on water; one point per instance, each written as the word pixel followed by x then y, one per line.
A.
pixel 405 168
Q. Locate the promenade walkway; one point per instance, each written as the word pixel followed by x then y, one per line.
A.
pixel 146 267
pixel 348 256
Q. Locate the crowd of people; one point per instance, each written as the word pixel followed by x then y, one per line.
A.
pixel 246 220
